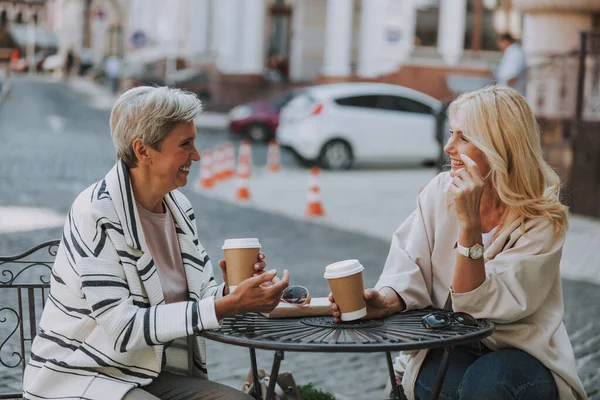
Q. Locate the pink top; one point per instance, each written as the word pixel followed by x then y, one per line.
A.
pixel 161 237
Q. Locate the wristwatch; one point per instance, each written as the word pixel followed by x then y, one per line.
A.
pixel 474 253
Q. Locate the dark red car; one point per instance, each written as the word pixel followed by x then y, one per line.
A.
pixel 258 119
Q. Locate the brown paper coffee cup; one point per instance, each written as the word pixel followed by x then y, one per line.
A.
pixel 240 256
pixel 346 283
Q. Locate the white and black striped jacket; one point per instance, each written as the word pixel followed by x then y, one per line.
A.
pixel 105 322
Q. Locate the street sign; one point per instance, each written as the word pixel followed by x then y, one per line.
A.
pixel 139 39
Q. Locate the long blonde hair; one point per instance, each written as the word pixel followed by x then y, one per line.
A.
pixel 500 123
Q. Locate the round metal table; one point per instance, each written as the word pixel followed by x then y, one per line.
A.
pixel 403 331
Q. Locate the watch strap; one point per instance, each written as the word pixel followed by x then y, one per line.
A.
pixel 462 250
pixel 465 251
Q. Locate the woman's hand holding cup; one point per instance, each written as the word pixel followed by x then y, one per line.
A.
pixel 253 295
pixel 243 260
pixel 259 267
pixel 376 306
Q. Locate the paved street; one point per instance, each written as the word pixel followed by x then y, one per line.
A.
pixel 56 142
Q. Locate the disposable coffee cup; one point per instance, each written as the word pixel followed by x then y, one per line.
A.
pixel 240 256
pixel 346 283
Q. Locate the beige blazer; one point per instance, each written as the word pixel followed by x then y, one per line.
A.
pixel 522 292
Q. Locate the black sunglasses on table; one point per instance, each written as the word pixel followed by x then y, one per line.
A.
pixel 441 319
pixel 296 295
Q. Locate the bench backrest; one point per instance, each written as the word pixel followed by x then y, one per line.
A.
pixel 24 284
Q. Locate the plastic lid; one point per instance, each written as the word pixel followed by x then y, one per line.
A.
pixel 245 243
pixel 344 268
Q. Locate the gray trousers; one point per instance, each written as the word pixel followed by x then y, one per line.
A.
pixel 169 386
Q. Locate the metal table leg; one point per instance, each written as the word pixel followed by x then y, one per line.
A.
pixel 439 379
pixel 390 365
pixel 257 391
pixel 274 374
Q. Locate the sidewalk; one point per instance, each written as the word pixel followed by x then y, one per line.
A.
pixel 375 202
pixel 102 98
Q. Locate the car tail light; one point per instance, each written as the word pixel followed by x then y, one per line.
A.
pixel 317 109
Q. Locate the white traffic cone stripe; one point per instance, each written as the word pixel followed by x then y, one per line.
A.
pixel 206 179
pixel 241 181
pixel 218 163
pixel 313 196
pixel 229 160
pixel 273 162
pixel 245 158
pixel 244 170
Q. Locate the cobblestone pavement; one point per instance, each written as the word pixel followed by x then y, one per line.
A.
pixel 54 145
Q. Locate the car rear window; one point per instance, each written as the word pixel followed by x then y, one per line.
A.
pixel 364 101
pixel 385 102
pixel 397 103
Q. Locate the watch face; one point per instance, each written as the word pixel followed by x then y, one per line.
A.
pixel 476 252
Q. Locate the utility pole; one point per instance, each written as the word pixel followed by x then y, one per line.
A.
pixel 87 7
pixel 121 15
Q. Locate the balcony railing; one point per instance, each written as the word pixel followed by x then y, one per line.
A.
pixel 552 85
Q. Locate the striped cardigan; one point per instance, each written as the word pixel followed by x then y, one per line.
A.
pixel 105 324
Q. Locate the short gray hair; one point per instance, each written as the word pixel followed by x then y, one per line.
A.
pixel 149 113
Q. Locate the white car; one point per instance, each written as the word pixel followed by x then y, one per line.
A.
pixel 339 124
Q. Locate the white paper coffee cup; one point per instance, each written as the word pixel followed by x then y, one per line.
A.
pixel 346 283
pixel 240 256
pixel 243 243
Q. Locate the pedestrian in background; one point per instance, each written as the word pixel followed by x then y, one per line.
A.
pixel 486 239
pixel 69 64
pixel 132 286
pixel 512 70
pixel 112 68
pixel 86 61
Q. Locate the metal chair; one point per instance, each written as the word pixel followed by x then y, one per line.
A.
pixel 24 284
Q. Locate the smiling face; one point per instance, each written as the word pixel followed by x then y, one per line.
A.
pixel 170 166
pixel 458 144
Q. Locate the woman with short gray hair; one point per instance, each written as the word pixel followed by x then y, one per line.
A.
pixel 131 285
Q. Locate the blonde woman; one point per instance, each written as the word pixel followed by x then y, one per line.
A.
pixel 486 239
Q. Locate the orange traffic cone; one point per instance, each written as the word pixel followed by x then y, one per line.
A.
pixel 14 56
pixel 229 161
pixel 218 158
pixel 243 191
pixel 245 155
pixel 273 164
pixel 206 179
pixel 314 207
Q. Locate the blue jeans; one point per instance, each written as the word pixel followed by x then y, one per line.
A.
pixel 476 372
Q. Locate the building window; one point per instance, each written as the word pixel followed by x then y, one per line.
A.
pixel 428 16
pixel 485 20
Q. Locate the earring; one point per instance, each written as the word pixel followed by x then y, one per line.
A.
pixel 147 161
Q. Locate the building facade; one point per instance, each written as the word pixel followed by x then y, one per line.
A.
pixel 20 22
pixel 440 47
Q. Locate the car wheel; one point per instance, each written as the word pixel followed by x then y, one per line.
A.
pixel 336 154
pixel 258 132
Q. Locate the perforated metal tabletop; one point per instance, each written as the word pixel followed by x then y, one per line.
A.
pixel 403 331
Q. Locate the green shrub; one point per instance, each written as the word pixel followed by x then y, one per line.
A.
pixel 310 392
